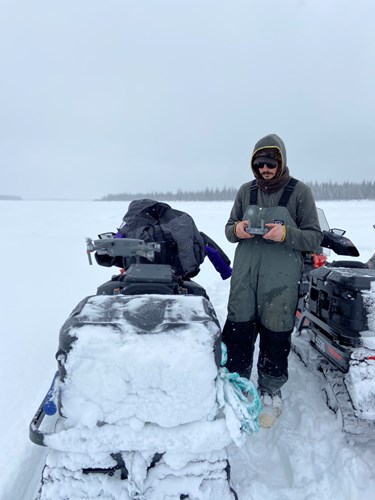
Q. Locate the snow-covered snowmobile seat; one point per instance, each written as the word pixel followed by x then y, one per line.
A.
pixel 132 316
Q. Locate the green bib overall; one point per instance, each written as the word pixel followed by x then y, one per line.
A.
pixel 266 275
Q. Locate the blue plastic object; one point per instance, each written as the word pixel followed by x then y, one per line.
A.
pixel 49 405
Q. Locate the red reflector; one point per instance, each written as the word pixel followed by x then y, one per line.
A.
pixel 334 353
pixel 372 358
pixel 319 260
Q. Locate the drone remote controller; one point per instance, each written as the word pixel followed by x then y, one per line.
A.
pixel 257 230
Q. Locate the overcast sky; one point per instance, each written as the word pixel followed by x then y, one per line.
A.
pixel 108 96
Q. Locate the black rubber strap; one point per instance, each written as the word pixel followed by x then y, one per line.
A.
pixel 285 197
pixel 254 193
pixel 287 193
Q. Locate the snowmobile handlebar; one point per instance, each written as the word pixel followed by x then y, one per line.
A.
pixel 122 247
pixel 339 243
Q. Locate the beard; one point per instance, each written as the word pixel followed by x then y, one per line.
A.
pixel 268 174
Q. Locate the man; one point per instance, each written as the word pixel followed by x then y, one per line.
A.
pixel 273 220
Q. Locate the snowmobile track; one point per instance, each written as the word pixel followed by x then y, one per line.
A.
pixel 357 430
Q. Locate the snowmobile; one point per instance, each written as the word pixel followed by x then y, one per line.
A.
pixel 140 407
pixel 335 332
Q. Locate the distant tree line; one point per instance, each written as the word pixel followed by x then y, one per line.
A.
pixel 207 194
pixel 322 191
pixel 9 197
pixel 345 191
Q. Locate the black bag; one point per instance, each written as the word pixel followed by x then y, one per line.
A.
pixel 182 245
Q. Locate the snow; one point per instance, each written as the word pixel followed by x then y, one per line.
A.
pixel 369 302
pixel 119 371
pixel 158 485
pixel 45 274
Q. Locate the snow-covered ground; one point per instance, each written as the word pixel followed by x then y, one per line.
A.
pixel 45 273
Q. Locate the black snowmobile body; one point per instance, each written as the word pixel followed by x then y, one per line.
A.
pixel 150 299
pixel 335 317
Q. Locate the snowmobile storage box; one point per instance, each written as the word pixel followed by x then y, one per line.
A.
pixel 341 297
pixel 150 273
pixel 149 278
pixel 158 279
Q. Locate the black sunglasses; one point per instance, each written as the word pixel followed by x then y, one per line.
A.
pixel 264 161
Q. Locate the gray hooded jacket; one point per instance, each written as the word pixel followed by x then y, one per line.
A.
pixel 264 284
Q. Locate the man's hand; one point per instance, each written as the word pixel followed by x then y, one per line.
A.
pixel 240 230
pixel 276 232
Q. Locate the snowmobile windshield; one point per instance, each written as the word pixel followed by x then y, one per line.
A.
pixel 324 226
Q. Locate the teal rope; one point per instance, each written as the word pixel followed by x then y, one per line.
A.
pixel 241 395
pixel 224 354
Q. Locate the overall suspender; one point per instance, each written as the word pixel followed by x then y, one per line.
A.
pixel 285 197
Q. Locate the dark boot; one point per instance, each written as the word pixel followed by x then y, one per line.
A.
pixel 274 349
pixel 240 339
